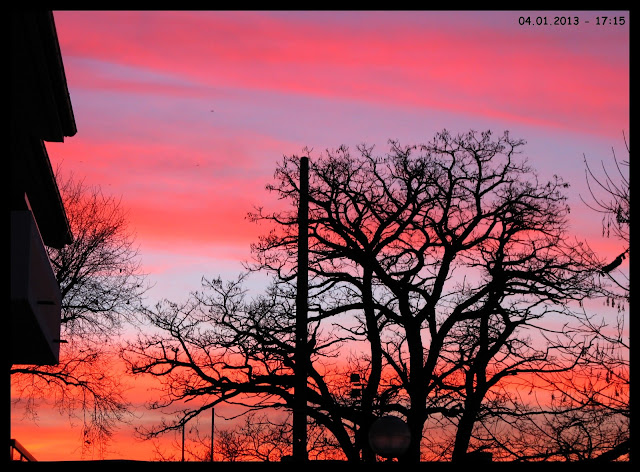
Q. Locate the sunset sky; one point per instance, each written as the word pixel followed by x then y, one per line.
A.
pixel 184 115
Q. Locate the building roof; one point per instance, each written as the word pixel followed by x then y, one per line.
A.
pixel 38 78
pixel 40 111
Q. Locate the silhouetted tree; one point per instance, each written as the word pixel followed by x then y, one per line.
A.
pixel 257 437
pixel 597 405
pixel 396 230
pixel 611 196
pixel 581 413
pixel 219 346
pixel 436 265
pixel 101 287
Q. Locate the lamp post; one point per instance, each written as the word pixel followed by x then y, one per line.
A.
pixel 213 413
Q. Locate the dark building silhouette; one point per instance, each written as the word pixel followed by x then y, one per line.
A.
pixel 40 110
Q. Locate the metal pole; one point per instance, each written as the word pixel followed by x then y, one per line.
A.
pixel 183 442
pixel 300 355
pixel 213 416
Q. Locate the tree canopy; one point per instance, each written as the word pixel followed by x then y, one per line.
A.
pixel 442 273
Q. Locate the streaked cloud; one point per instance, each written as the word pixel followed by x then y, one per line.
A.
pixel 185 114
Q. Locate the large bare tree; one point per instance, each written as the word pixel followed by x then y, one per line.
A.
pixel 433 270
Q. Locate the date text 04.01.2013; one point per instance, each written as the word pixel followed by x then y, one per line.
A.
pixel 571 21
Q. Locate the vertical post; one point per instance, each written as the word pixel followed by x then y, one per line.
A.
pixel 300 355
pixel 182 460
pixel 213 419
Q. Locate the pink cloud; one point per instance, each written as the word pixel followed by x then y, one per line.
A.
pixel 492 74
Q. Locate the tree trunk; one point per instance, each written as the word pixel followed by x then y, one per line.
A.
pixel 465 428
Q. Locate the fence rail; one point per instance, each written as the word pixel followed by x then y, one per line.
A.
pixel 19 453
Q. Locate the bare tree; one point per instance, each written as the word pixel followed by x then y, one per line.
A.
pixel 610 196
pixel 102 287
pixel 581 413
pixel 393 231
pixel 99 273
pixel 437 264
pixel 599 401
pixel 602 385
pixel 257 438
pixel 262 438
pixel 219 346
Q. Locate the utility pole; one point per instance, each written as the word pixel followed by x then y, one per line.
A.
pixel 300 354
